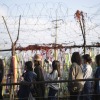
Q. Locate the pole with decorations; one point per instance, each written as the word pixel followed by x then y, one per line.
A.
pixel 13 59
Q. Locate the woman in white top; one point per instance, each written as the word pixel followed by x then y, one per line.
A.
pixel 54 76
pixel 88 74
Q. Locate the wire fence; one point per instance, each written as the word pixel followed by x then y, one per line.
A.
pixel 38 23
pixel 39 19
pixel 12 95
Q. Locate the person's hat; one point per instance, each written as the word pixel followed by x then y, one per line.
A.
pixel 37 57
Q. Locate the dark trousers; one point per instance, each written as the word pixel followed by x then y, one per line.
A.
pixel 87 91
pixel 40 92
pixel 52 93
pixel 1 97
pixel 96 97
pixel 74 95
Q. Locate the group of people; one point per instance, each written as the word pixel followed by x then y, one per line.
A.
pixel 36 75
pixel 81 69
pixel 79 90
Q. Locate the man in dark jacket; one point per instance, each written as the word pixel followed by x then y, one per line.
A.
pixel 40 77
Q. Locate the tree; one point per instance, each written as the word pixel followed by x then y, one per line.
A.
pixel 79 15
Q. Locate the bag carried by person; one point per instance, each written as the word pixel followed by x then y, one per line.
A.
pixel 75 87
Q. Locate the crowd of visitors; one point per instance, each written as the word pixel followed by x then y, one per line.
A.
pixel 81 69
pixel 79 90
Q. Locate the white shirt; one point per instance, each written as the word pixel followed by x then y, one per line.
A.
pixel 53 77
pixel 88 72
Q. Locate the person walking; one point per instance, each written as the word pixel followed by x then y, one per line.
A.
pixel 40 76
pixel 88 74
pixel 97 75
pixel 54 76
pixel 28 76
pixel 75 88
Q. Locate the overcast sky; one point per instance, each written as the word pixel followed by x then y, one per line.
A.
pixel 38 21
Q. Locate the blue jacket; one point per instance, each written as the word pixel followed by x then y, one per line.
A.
pixel 24 90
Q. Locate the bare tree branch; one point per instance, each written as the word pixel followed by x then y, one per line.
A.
pixel 7 29
pixel 18 31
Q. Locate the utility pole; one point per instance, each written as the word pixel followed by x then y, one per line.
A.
pixel 56 37
pixel 56 34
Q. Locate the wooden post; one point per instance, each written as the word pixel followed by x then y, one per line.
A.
pixel 13 77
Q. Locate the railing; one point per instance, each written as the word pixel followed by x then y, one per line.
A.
pixel 12 92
